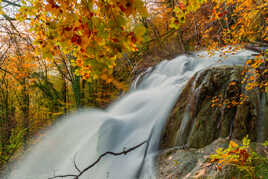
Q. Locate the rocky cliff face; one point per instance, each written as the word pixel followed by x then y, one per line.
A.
pixel 195 129
pixel 195 123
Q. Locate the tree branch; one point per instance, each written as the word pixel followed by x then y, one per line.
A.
pixel 76 167
pixel 11 3
pixel 124 152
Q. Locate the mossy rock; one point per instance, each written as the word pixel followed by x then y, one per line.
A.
pixel 193 122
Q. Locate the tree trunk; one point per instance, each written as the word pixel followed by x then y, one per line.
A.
pixel 64 94
pixel 25 110
pixel 83 96
pixel 77 91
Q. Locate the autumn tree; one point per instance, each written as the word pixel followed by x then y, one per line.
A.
pixel 92 33
pixel 15 69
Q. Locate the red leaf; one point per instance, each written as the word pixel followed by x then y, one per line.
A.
pixel 133 39
pixel 53 4
pixel 76 29
pixel 115 40
pixel 122 8
pixel 76 39
pixel 88 33
pixel 67 28
pixel 181 5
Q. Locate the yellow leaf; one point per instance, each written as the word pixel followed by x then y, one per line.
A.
pixel 232 144
pixel 139 30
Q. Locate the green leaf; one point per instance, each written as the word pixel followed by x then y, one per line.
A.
pixel 139 30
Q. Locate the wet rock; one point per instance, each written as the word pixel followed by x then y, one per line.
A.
pixel 193 122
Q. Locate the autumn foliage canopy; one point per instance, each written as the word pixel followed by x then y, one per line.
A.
pixel 93 33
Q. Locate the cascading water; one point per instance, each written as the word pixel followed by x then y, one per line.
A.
pixel 129 121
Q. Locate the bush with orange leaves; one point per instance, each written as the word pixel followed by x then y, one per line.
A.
pixel 250 164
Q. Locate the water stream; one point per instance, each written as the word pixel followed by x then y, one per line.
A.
pixel 130 120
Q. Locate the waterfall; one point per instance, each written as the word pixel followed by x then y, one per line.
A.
pixel 142 112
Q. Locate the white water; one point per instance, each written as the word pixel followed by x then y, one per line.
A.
pixel 127 122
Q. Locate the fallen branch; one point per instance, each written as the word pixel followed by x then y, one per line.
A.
pixel 81 172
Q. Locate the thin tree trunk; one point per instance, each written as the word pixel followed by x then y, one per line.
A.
pixel 77 91
pixel 64 94
pixel 25 110
pixel 83 96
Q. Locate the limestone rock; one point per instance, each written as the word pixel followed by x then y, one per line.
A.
pixel 194 123
pixel 190 163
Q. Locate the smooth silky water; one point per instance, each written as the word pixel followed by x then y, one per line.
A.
pixel 132 119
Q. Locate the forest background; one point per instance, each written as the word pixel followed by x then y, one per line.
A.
pixel 57 56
